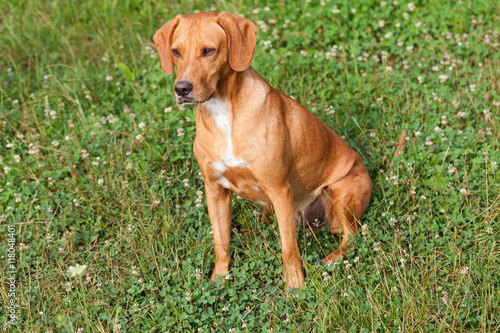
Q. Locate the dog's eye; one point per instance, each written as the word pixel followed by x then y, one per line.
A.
pixel 176 53
pixel 208 51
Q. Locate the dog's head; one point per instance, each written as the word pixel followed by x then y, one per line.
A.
pixel 204 47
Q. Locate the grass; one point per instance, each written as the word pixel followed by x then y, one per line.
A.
pixel 97 169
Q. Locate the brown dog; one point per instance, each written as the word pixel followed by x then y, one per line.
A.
pixel 255 141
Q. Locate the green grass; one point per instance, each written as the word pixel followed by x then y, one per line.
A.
pixel 82 78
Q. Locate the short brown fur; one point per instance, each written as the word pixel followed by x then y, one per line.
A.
pixel 255 141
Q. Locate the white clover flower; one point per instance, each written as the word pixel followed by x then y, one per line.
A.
pixel 443 78
pixel 77 270
pixel 68 286
pixel 199 274
pixel 85 154
pixel 487 114
pixel 268 44
pixel 443 120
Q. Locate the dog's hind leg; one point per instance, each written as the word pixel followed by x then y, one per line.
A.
pixel 345 202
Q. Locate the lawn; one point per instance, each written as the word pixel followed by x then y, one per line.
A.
pixel 97 169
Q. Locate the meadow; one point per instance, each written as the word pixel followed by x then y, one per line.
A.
pixel 97 169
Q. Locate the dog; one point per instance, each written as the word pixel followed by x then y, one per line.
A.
pixel 255 141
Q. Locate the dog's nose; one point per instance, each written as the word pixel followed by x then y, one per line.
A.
pixel 183 88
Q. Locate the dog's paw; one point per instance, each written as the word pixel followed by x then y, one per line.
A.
pixel 334 256
pixel 220 277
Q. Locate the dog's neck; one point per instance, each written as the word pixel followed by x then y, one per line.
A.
pixel 234 87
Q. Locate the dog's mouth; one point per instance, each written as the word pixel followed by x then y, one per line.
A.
pixel 190 100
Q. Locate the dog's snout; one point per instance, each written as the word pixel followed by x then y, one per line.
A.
pixel 183 88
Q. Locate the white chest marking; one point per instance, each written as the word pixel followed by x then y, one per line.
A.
pixel 219 110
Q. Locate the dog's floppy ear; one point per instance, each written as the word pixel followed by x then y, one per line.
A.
pixel 241 36
pixel 163 38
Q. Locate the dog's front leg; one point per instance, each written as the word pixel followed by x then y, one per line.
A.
pixel 282 200
pixel 219 210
